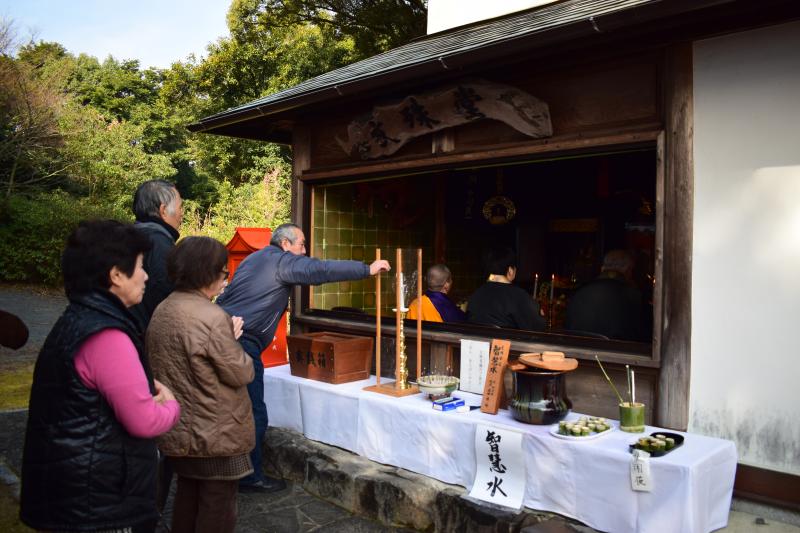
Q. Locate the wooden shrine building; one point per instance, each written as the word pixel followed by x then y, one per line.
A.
pixel 564 131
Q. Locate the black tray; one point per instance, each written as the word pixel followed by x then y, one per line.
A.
pixel 678 443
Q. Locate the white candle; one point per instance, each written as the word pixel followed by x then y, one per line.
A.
pixel 535 285
pixel 402 292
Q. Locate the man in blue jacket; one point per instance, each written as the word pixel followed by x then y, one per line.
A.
pixel 259 293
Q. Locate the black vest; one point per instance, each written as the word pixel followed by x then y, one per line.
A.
pixel 80 468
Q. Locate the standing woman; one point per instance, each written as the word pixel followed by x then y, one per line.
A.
pixel 193 349
pixel 89 462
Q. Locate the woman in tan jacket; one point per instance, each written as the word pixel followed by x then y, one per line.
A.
pixel 193 350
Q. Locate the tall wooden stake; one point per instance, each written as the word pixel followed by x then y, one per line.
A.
pixel 378 321
pixel 419 311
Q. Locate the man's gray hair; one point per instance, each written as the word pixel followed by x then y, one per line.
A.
pixel 151 195
pixel 618 261
pixel 437 276
pixel 283 232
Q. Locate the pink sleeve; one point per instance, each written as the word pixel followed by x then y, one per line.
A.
pixel 108 363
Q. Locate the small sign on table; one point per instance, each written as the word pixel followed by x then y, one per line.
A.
pixel 474 361
pixel 493 386
pixel 640 472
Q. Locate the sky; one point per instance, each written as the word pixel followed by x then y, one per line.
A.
pixel 156 32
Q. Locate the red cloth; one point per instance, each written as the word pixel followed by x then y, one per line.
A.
pixel 108 363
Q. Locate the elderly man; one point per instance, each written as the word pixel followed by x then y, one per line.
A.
pixel 610 305
pixel 259 293
pixel 436 306
pixel 158 207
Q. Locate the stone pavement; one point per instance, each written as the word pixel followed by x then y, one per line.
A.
pixel 39 309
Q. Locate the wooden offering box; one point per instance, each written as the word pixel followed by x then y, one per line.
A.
pixel 330 357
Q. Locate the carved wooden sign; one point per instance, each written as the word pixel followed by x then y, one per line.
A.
pixel 387 128
pixel 493 386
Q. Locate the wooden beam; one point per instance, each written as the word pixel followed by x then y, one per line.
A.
pixel 767 486
pixel 453 338
pixel 643 133
pixel 676 291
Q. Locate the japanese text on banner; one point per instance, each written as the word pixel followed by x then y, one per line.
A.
pixel 500 467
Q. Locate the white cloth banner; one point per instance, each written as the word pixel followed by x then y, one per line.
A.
pixel 586 480
pixel 500 470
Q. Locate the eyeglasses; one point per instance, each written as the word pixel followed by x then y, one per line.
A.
pixel 225 274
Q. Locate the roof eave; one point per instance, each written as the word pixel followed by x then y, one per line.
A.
pixel 573 32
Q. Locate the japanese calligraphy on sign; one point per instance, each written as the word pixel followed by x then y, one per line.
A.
pixel 500 467
pixel 474 361
pixel 640 472
pixel 385 129
pixel 330 357
pixel 495 370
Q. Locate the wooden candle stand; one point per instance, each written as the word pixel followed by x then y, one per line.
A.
pixel 400 387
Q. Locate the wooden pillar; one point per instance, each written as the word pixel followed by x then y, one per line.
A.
pixel 673 341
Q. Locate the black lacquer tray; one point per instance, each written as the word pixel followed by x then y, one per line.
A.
pixel 678 443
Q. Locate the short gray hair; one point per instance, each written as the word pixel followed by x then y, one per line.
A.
pixel 618 261
pixel 283 232
pixel 151 195
pixel 437 276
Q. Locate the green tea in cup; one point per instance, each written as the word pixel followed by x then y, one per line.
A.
pixel 631 417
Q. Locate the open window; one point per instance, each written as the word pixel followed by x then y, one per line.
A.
pixel 560 214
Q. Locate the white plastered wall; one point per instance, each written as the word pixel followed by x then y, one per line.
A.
pixel 745 368
pixel 446 14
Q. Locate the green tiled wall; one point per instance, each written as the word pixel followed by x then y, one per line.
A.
pixel 343 228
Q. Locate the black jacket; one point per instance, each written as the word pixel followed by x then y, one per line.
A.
pixel 504 305
pixel 158 285
pixel 610 307
pixel 80 469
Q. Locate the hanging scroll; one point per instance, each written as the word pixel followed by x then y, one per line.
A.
pixel 387 128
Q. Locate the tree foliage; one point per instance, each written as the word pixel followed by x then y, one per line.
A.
pixel 30 104
pixel 78 134
pixel 374 25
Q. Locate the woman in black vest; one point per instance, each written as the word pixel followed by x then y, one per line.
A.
pixel 90 458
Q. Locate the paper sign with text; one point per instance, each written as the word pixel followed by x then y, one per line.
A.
pixel 640 472
pixel 499 468
pixel 474 361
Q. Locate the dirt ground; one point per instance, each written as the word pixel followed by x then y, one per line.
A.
pixel 39 307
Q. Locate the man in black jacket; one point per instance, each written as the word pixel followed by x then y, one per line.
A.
pixel 259 293
pixel 610 305
pixel 158 207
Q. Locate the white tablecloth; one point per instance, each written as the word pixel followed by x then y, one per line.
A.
pixel 587 480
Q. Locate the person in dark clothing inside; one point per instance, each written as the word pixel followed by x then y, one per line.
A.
pixel 158 207
pixel 500 303
pixel 259 293
pixel 610 305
